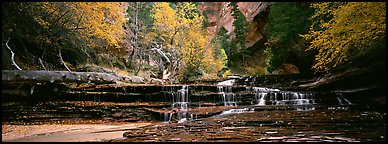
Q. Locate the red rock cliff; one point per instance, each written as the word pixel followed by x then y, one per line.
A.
pixel 219 14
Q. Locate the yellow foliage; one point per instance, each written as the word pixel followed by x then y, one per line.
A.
pixel 182 29
pixel 166 23
pixel 90 21
pixel 352 26
pixel 226 73
pixel 122 73
pixel 255 70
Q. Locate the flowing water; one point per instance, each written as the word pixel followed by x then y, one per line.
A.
pixel 222 112
pixel 227 96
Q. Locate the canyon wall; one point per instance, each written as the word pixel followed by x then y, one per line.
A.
pixel 219 14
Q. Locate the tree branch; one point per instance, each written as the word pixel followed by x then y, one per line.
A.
pixel 67 11
pixel 12 55
pixel 159 50
pixel 41 63
pixel 60 56
pixel 82 15
pixel 77 28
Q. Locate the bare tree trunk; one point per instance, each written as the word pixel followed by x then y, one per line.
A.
pixel 174 67
pixel 136 38
pixel 165 62
pixel 159 50
pixel 12 55
pixel 60 56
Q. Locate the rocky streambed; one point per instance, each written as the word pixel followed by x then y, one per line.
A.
pixel 235 112
pixel 323 125
pixel 118 122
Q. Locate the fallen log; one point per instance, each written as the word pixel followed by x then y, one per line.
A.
pixel 65 76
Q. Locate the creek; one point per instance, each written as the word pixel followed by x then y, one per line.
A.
pixel 219 112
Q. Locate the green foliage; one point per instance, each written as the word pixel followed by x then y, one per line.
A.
pixel 240 26
pixel 219 53
pixel 286 22
pixel 224 57
pixel 348 30
pixel 224 47
pixel 144 15
pixel 237 49
pixel 275 56
pixel 205 20
pixel 223 39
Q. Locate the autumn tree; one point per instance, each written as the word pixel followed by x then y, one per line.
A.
pixel 180 30
pixel 48 30
pixel 167 24
pixel 344 29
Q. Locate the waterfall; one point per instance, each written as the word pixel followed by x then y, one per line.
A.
pixel 226 83
pixel 261 93
pixel 182 117
pixel 268 96
pixel 225 91
pixel 181 99
pixel 260 97
pixel 227 96
pixel 167 117
pixel 180 102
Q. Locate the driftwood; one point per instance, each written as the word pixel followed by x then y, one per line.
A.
pixel 65 76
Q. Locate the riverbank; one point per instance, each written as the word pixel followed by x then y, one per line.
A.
pixel 66 133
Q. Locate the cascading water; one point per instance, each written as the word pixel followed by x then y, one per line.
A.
pixel 225 91
pixel 226 83
pixel 236 111
pixel 227 96
pixel 180 102
pixel 300 101
pixel 182 117
pixel 181 98
pixel 261 94
pixel 167 117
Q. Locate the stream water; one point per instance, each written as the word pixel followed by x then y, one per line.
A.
pixel 222 112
